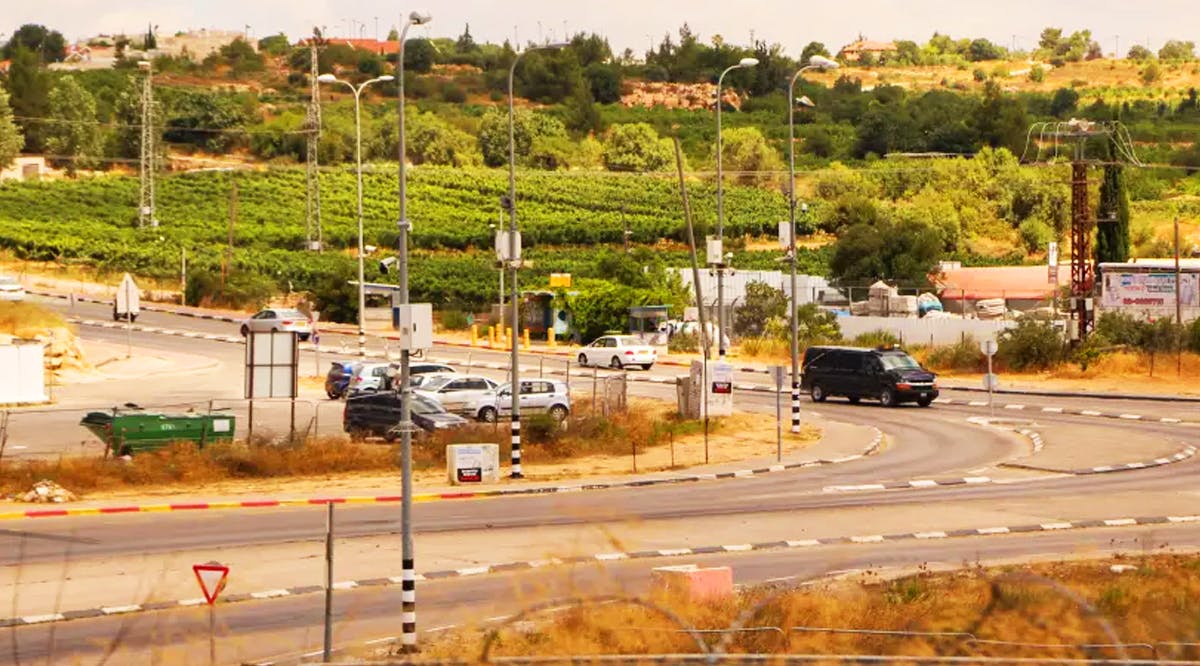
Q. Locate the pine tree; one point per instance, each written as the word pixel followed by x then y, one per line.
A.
pixel 1112 231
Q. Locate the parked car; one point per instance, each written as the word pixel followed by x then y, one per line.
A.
pixel 337 381
pixel 886 374
pixel 417 372
pixel 458 393
pixel 279 319
pixel 538 396
pixel 11 289
pixel 618 351
pixel 367 378
pixel 378 414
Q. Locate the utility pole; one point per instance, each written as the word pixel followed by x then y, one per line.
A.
pixel 625 229
pixel 1074 135
pixel 312 122
pixel 146 165
pixel 227 263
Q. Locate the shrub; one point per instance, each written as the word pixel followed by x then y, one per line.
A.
pixel 1120 328
pixel 1193 336
pixel 877 338
pixel 1034 344
pixel 1037 74
pixel 542 429
pixel 962 356
pixel 684 343
pixel 454 320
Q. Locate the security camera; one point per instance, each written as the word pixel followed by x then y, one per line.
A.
pixel 385 264
pixel 369 249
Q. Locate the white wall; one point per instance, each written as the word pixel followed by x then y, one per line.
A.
pixel 924 331
pixel 808 286
pixel 22 365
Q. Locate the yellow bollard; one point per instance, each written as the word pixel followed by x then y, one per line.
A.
pixel 508 339
pixel 474 335
pixel 491 336
pixel 550 338
pixel 528 344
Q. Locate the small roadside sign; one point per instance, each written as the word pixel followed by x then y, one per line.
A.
pixel 128 297
pixel 779 374
pixel 212 577
pixel 988 347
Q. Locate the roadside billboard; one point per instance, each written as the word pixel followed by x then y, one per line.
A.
pixel 1150 290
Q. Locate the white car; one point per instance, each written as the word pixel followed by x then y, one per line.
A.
pixel 279 319
pixel 11 289
pixel 367 377
pixel 618 351
pixel 457 393
pixel 541 396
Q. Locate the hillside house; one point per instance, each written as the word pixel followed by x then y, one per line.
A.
pixel 880 51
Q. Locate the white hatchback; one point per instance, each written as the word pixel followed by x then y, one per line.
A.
pixel 618 351
pixel 457 393
pixel 540 396
pixel 279 319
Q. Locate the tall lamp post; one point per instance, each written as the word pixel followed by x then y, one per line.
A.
pixel 513 247
pixel 744 63
pixel 815 62
pixel 408 591
pixel 362 294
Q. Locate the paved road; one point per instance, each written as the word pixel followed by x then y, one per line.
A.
pixel 263 630
pixel 922 443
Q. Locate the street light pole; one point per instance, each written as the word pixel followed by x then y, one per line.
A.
pixel 514 380
pixel 408 591
pixel 745 62
pixel 815 62
pixel 362 294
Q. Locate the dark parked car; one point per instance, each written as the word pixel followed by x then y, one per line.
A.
pixel 888 375
pixel 337 382
pixel 378 414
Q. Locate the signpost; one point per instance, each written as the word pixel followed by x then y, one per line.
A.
pixel 778 373
pixel 272 370
pixel 212 577
pixel 128 305
pixel 990 381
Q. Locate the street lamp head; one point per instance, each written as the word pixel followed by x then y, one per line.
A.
pixel 805 101
pixel 143 64
pixel 419 18
pixel 385 78
pixel 327 78
pixel 748 62
pixel 821 62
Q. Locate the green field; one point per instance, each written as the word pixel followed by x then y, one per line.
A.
pixel 566 219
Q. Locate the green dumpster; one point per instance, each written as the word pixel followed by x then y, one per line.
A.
pixel 126 433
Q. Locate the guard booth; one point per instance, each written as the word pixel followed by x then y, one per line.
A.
pixel 648 323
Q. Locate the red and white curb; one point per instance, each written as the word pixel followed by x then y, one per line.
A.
pixel 530 565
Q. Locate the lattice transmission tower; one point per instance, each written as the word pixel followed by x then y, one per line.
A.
pixel 1070 141
pixel 146 166
pixel 312 125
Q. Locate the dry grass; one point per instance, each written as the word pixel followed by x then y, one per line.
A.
pixel 590 444
pixel 24 319
pixel 188 465
pixel 1156 600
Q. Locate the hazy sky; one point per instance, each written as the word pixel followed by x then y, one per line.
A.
pixel 638 23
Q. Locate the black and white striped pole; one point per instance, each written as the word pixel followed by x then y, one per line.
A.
pixel 514 257
pixel 815 62
pixel 408 581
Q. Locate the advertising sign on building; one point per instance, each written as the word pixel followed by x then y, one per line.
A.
pixel 1150 290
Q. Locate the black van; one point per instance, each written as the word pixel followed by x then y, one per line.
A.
pixel 888 375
